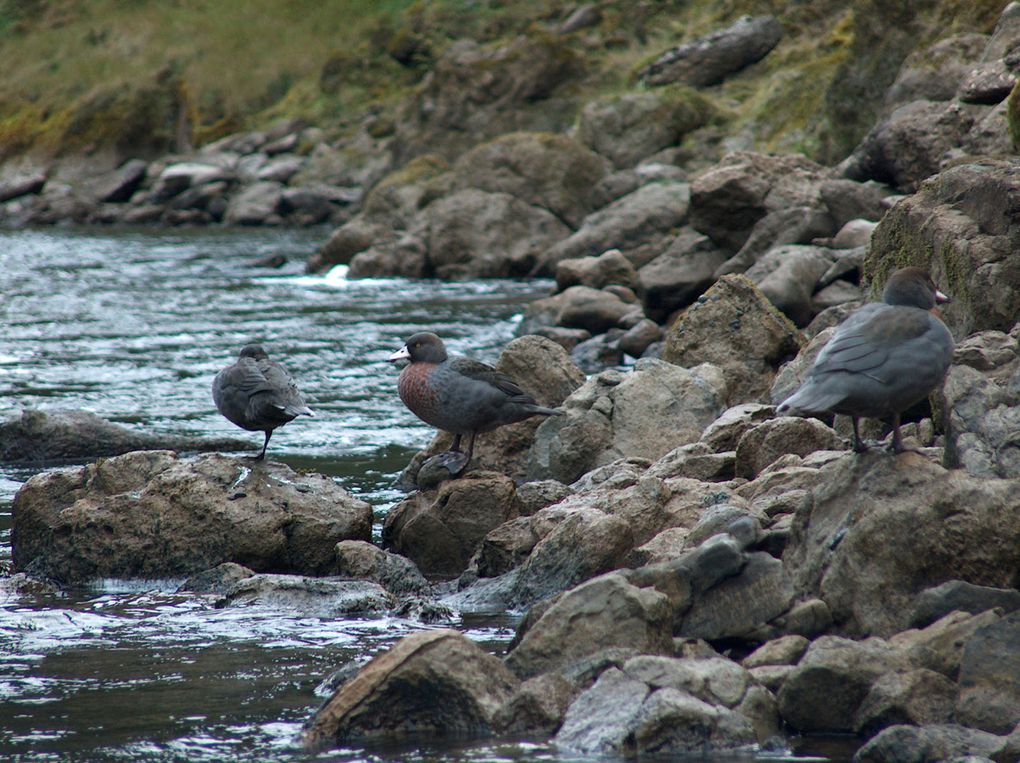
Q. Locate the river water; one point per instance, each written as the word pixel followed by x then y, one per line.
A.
pixel 133 326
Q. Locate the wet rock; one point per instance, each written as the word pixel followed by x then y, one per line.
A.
pixel 788 276
pixel 831 681
pixel 537 707
pixel 765 443
pixel 640 218
pixel 677 277
pixel 476 234
pixel 256 204
pixel 604 612
pixel 919 697
pixel 434 683
pixel 545 170
pixel 646 413
pixel 599 353
pixel 611 267
pixel 734 327
pixel 981 405
pixel 439 531
pixel 311 597
pixel 960 596
pixel 875 534
pixel 936 742
pixel 989 697
pixel 361 560
pixel 56 435
pixel 709 60
pixel 729 199
pixel 218 580
pixel 908 147
pixel 151 514
pixel 632 126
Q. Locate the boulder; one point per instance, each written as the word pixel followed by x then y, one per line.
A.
pixel 310 597
pixel 152 514
pixel 477 234
pixel 180 176
pixel 361 560
pixel 66 435
pixel 578 307
pixel 980 405
pixel 431 683
pixel 537 707
pixel 989 697
pixel 608 268
pixel 960 596
pixel 785 650
pixel 678 276
pixel 709 60
pixel 256 204
pixel 831 681
pixel 930 744
pixel 878 530
pixel 767 442
pixel 645 413
pixel 919 696
pixel 789 275
pixel 639 337
pixel 604 612
pixel 19 185
pixel 599 353
pixel 642 218
pixel 119 185
pixel 934 73
pixel 734 327
pixel 631 126
pixel 545 170
pixel 848 200
pixel 440 530
pixel 725 432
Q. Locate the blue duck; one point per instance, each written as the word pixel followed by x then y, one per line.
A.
pixel 257 394
pixel 884 358
pixel 459 395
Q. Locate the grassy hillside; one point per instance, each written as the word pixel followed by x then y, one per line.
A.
pixel 131 74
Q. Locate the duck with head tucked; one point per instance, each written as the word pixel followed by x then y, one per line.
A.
pixel 459 395
pixel 884 358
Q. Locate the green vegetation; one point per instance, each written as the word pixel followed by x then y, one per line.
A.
pixel 145 75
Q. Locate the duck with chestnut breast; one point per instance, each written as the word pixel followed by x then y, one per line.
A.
pixel 884 358
pixel 459 395
pixel 257 394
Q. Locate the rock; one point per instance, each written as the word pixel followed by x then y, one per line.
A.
pixel 785 650
pixel 537 707
pixel 599 353
pixel 934 73
pixel 439 531
pixel 979 403
pixel 777 228
pixel 989 684
pixel 361 560
pixel 596 272
pixel 178 177
pixel 826 689
pixel 848 200
pixel 876 533
pixel 725 432
pixel 907 148
pixel 736 606
pixel 640 218
pixel 765 443
pixel 118 186
pixel 600 613
pixel 311 597
pixel 989 82
pixel 644 413
pixel 639 337
pixel 474 93
pixel 919 697
pixel 218 580
pixel 583 17
pixel 257 204
pixel 579 307
pixel 475 234
pixel 535 496
pixel 709 60
pixel 545 170
pixel 406 256
pixel 151 514
pixel 680 274
pixel 729 199
pixel 960 596
pixel 696 461
pixel 310 205
pixel 927 743
pixel 568 339
pixel 21 185
pixel 281 169
pixel 632 126
pixel 397 199
pixel 734 327
pixel 837 293
pixel 464 685
pixel 940 646
pixel 788 276
pixel 65 435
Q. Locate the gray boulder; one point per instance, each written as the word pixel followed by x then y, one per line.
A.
pixel 310 597
pixel 789 275
pixel 989 685
pixel 361 560
pixel 611 267
pixel 676 277
pixel 767 442
pixel 256 204
pixel 152 514
pixel 931 744
pixel 918 696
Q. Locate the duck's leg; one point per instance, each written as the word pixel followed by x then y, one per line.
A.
pixel 262 455
pixel 859 445
pixel 897 445
pixel 456 443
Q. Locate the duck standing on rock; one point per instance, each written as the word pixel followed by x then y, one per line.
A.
pixel 884 358
pixel 257 394
pixel 459 395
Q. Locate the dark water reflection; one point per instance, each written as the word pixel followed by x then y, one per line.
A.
pixel 133 326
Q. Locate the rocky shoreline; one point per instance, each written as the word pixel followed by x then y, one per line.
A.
pixel 695 573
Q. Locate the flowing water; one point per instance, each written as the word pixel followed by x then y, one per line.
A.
pixel 133 326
